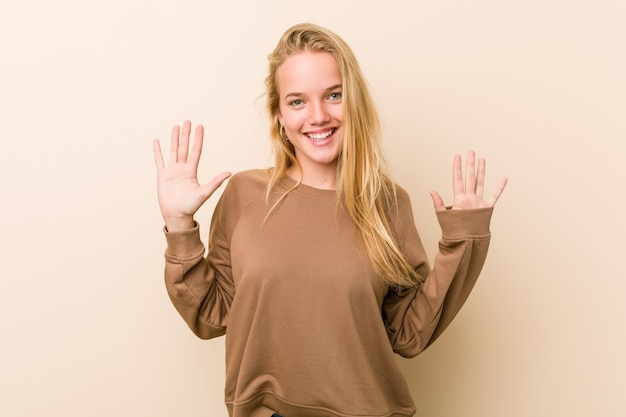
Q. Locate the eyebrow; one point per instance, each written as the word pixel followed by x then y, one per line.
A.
pixel 328 90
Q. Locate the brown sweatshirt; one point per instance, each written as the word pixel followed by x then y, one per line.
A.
pixel 310 328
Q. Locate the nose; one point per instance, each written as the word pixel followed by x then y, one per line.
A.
pixel 318 113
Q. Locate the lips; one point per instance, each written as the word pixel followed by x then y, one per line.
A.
pixel 320 137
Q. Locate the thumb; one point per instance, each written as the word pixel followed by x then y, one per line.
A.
pixel 214 184
pixel 437 201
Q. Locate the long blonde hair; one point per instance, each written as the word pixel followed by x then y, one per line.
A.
pixel 363 185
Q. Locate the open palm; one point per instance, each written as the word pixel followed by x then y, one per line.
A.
pixel 468 193
pixel 179 192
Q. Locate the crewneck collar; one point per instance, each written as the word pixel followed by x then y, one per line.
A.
pixel 307 190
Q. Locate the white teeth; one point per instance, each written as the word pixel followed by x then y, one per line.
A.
pixel 320 136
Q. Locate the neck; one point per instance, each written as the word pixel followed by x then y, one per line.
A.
pixel 324 179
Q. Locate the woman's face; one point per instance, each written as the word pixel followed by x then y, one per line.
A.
pixel 311 109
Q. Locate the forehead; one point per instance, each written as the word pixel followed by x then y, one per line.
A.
pixel 307 72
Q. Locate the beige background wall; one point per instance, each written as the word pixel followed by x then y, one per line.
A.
pixel 536 86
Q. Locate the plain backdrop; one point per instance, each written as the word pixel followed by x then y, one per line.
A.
pixel 536 86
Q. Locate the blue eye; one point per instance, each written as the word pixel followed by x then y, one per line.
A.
pixel 335 96
pixel 296 103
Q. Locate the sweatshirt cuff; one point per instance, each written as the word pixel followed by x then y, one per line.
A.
pixel 465 223
pixel 185 244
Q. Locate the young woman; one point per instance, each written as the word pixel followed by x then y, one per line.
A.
pixel 315 271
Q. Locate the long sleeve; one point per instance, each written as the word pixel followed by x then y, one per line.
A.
pixel 416 317
pixel 201 288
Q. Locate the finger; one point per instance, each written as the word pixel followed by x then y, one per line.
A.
pixel 470 173
pixel 158 156
pixel 437 201
pixel 457 176
pixel 214 184
pixel 174 145
pixel 499 189
pixel 196 148
pixel 183 143
pixel 480 178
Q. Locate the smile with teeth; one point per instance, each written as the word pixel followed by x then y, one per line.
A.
pixel 318 137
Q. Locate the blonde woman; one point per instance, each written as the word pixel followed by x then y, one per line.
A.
pixel 315 270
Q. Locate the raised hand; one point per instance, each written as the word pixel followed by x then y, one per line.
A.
pixel 180 195
pixel 468 194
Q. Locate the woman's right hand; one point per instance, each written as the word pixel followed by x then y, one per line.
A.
pixel 180 195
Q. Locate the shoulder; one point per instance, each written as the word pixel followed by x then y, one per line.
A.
pixel 401 211
pixel 252 178
pixel 402 196
pixel 245 186
pixel 400 201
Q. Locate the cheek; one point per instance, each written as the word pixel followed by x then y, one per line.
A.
pixel 338 113
pixel 292 121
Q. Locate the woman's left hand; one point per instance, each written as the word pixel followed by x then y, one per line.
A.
pixel 468 194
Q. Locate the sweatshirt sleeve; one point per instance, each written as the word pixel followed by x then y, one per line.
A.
pixel 201 288
pixel 416 317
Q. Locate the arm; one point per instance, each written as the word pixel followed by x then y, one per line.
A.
pixel 199 287
pixel 416 317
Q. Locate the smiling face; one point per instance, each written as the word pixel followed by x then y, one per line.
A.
pixel 311 111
